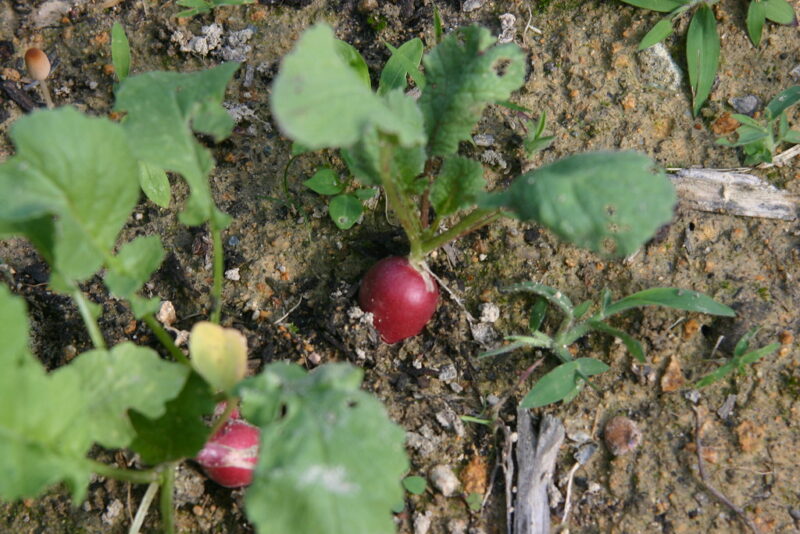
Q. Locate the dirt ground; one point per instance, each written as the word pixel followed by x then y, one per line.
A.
pixel 298 273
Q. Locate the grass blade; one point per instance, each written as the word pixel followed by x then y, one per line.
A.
pixel 702 54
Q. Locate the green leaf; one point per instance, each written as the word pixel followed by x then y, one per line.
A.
pixel 665 6
pixel 319 101
pixel 633 345
pixel 779 11
pixel 608 202
pixel 457 186
pixel 756 15
pixel 438 27
pixel 792 136
pixel 354 60
pixel 746 135
pixel 405 164
pixel 474 501
pixel 181 431
pixel 561 382
pixel 581 309
pixel 553 295
pixel 505 349
pixel 534 142
pixel 44 434
pixel 120 51
pixel 404 62
pixel 345 211
pixel 133 266
pixel 749 121
pixel 365 194
pixel 164 109
pixel 464 74
pixel 702 54
pixel 330 458
pixel 671 297
pixel 87 181
pixel 415 485
pixel 783 101
pixel 126 377
pixel 325 182
pixel 660 31
pixel 537 315
pixel 155 184
pixel 49 422
pixel 716 375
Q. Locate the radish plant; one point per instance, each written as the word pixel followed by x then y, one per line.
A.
pixel 319 454
pixel 609 202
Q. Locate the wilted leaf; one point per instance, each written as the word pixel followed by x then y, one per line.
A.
pixel 218 354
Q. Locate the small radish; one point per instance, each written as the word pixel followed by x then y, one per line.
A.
pixel 229 456
pixel 401 298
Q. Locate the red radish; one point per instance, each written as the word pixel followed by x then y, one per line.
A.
pixel 230 455
pixel 401 298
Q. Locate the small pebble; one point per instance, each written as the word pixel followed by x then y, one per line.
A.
pixel 726 409
pixel 422 522
pixel 448 373
pixel 795 73
pixel 457 526
pixel 621 435
pixel 585 452
pixel 483 139
pixel 443 479
pixel 490 312
pixel 472 5
pixel 233 274
pixel 746 105
pixel 166 313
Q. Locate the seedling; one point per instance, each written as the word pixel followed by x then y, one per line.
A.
pixel 72 196
pixel 702 39
pixel 758 140
pixel 608 202
pixel 742 356
pixel 38 65
pixel 201 7
pixel 567 380
pixel 345 208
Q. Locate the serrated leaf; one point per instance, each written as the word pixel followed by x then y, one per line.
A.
pixel 403 62
pixel 354 60
pixel 136 261
pixel 218 354
pixel 330 458
pixel 87 181
pixel 319 101
pixel 325 182
pixel 671 297
pixel 702 54
pixel 561 382
pixel 44 435
pixel 779 11
pixel 405 164
pixel 783 101
pixel 155 184
pixel 608 202
pixel 756 15
pixel 660 31
pixel 164 109
pixel 126 377
pixel 464 73
pixel 181 431
pixel 456 188
pixel 120 51
pixel 345 211
pixel 664 6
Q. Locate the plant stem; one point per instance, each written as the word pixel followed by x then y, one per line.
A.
pixel 230 405
pixel 216 290
pixel 399 202
pixel 126 475
pixel 470 223
pixel 165 339
pixel 167 491
pixel 84 307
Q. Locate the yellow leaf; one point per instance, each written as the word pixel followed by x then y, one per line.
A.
pixel 218 354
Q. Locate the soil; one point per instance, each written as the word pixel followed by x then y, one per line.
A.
pixel 298 273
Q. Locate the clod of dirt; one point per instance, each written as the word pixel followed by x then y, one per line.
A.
pixel 673 378
pixel 443 479
pixel 750 436
pixel 621 435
